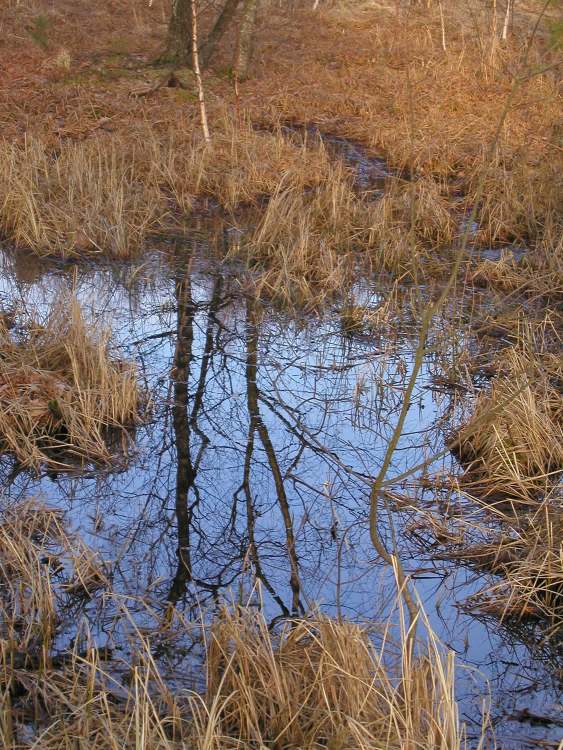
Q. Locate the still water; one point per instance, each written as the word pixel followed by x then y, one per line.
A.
pixel 262 435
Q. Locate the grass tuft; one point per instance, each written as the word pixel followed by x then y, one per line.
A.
pixel 61 392
pixel 513 443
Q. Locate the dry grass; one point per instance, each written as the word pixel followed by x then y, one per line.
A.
pixel 504 274
pixel 305 241
pixel 305 230
pixel 375 73
pixel 317 683
pixel 242 167
pixel 523 548
pixel 61 391
pixel 529 559
pixel 322 683
pixel 41 566
pixel 521 200
pixel 513 444
pixel 94 197
pixel 104 195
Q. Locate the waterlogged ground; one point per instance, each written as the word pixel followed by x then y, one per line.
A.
pixel 262 436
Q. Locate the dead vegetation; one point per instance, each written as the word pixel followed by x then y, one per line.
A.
pixel 98 170
pixel 512 450
pixel 304 228
pixel 528 558
pixel 88 169
pixel 315 683
pixel 93 197
pixel 512 446
pixel 61 392
pixel 522 546
pixel 322 683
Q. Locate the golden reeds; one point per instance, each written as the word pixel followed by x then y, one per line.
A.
pixel 314 683
pixel 61 392
pixel 41 564
pixel 529 560
pixel 513 444
pixel 524 551
pixel 322 683
pixel 96 197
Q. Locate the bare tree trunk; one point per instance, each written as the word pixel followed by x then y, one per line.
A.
pixel 197 71
pixel 245 39
pixel 221 25
pixel 179 41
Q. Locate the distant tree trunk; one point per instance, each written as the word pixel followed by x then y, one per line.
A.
pixel 179 42
pixel 221 25
pixel 245 39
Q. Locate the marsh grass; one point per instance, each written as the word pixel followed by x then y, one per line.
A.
pixel 311 242
pixel 305 230
pixel 521 199
pixel 93 197
pixel 315 682
pixel 61 391
pixel 442 77
pixel 42 565
pixel 242 167
pixel 529 561
pixel 522 545
pixel 512 450
pixel 518 451
pixel 322 683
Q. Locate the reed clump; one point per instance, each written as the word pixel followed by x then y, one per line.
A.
pixel 242 167
pixel 410 226
pixel 42 566
pixel 322 683
pixel 504 274
pixel 513 443
pixel 304 243
pixel 315 683
pixel 524 553
pixel 93 197
pixel 310 241
pixel 521 199
pixel 61 391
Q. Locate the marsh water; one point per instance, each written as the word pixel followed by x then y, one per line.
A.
pixel 263 432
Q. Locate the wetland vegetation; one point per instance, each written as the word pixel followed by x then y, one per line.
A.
pixel 281 414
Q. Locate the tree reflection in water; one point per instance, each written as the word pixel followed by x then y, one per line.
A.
pixel 256 462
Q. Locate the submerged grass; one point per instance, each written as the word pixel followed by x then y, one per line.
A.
pixel 523 548
pixel 61 392
pixel 316 683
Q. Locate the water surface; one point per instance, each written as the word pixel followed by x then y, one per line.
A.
pixel 265 432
